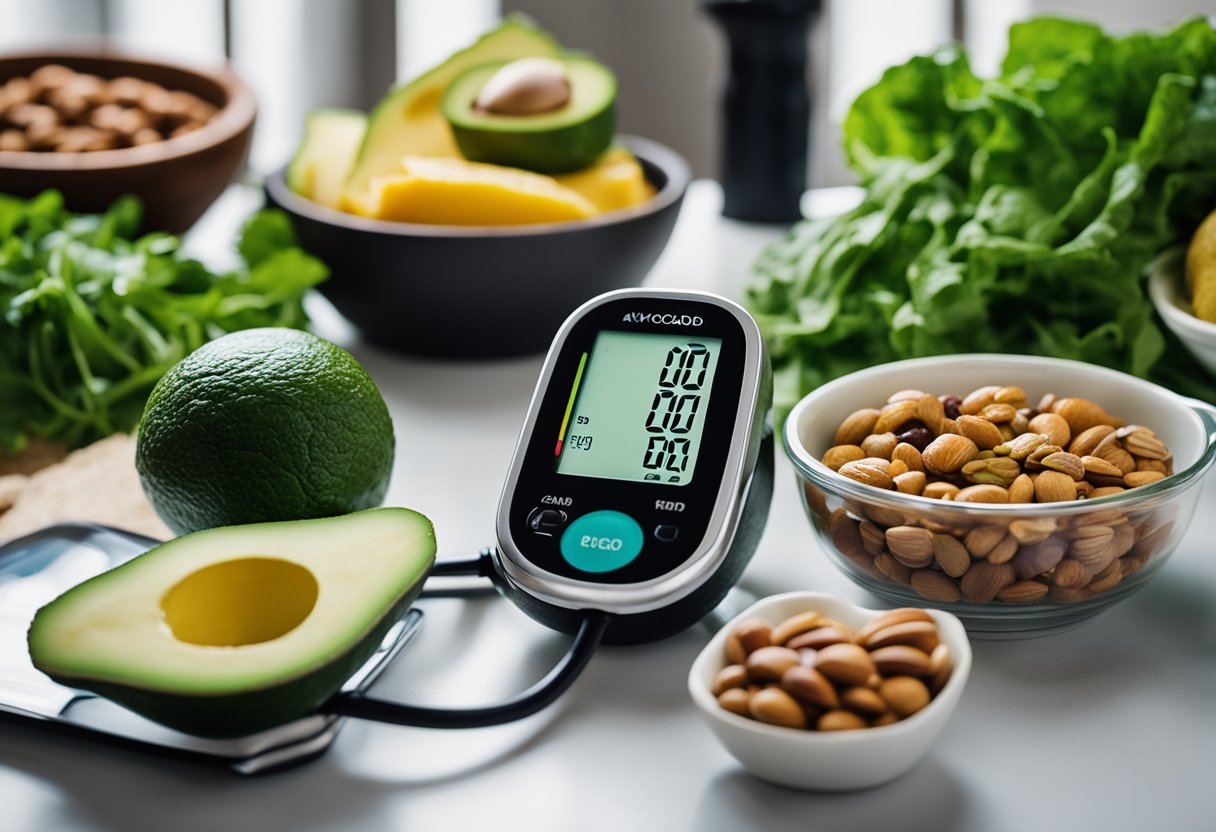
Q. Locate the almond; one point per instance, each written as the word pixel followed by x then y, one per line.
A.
pixel 913 482
pixel 806 684
pixel 1142 442
pixel 935 586
pixel 985 493
pixel 889 619
pixel 1037 558
pixel 879 445
pixel 1015 396
pixel 753 634
pixel 1065 463
pixel 940 665
pixel 820 637
pixel 977 400
pixel 840 721
pixel 1070 574
pixel 1053 426
pixel 919 634
pixel 998 413
pixel 904 695
pixel 1022 592
pixel 951 555
pixel 901 395
pixel 768 663
pixel 894 415
pixel 776 707
pixel 1021 446
pixel 982 539
pixel 908 455
pixel 1107 579
pixel 1138 478
pixel 930 410
pixel 1097 466
pixel 1081 414
pixel 1004 551
pixel 1032 530
pixel 892 568
pixel 1021 490
pixel 940 490
pixel 863 700
pixel 1085 442
pixel 948 453
pixel 981 431
pixel 1054 487
pixel 737 701
pixel 856 427
pixel 872 538
pixel 846 664
pixel 867 473
pixel 796 625
pixel 731 676
pixel 900 659
pixel 1092 547
pixel 984 580
pixel 911 545
pixel 838 455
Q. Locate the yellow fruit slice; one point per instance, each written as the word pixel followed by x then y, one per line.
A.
pixel 616 180
pixel 456 192
pixel 1201 269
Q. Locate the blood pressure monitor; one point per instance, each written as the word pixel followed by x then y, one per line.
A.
pixel 633 487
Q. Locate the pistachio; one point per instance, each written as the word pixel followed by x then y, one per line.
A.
pixel 1034 462
pixel 1054 487
pixel 981 431
pixel 934 586
pixel 999 470
pixel 858 425
pixel 948 453
pixel 525 87
pixel 1065 463
pixel 838 455
pixel 1021 446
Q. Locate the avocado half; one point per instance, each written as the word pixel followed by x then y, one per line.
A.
pixel 568 138
pixel 235 630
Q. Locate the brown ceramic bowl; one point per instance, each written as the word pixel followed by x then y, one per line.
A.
pixel 177 179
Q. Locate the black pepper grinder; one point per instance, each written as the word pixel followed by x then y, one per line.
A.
pixel 766 105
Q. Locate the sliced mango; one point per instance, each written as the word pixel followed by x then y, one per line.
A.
pixel 456 192
pixel 616 180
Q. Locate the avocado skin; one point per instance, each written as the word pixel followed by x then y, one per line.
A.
pixel 242 714
pixel 559 150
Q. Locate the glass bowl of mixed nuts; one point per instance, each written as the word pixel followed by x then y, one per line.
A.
pixel 1023 494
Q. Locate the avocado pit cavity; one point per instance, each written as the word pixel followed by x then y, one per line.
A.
pixel 239 602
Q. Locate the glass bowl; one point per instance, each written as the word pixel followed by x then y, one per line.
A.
pixel 1122 540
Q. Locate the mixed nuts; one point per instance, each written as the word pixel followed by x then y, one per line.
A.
pixel 991 447
pixel 812 672
pixel 57 109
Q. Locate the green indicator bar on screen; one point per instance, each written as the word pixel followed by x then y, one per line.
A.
pixel 578 379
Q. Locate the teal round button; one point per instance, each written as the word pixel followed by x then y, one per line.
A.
pixel 601 541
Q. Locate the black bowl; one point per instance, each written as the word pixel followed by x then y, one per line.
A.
pixel 476 292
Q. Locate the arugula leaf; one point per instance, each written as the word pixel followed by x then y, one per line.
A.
pixel 1015 214
pixel 91 316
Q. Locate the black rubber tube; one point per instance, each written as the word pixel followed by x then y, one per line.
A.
pixel 536 698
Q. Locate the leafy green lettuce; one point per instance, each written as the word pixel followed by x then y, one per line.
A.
pixel 91 316
pixel 1016 214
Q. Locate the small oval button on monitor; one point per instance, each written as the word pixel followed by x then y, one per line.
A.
pixel 602 541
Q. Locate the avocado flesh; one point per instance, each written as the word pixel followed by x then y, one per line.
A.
pixel 566 139
pixel 323 161
pixel 231 631
pixel 407 121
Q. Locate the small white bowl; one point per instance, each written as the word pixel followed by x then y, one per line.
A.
pixel 837 760
pixel 1167 287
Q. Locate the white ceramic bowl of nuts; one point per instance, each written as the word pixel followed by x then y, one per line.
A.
pixel 809 691
pixel 1022 493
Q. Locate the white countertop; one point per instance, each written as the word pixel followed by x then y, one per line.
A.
pixel 1111 726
